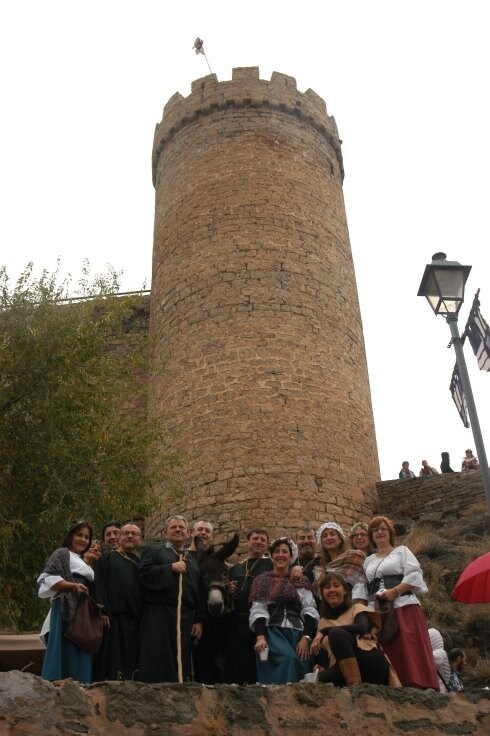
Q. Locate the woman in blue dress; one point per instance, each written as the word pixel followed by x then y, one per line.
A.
pixel 284 616
pixel 65 579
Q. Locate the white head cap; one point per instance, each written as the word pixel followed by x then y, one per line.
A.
pixel 329 525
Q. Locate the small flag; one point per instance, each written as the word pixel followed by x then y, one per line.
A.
pixel 479 336
pixel 199 46
pixel 456 388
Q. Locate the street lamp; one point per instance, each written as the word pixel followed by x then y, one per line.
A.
pixel 443 285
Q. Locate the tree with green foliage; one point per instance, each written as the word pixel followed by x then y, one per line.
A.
pixel 74 438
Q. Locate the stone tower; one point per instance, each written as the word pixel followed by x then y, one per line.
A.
pixel 259 359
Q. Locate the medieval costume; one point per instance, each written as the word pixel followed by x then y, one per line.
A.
pixel 163 637
pixel 410 651
pixel 349 633
pixel 350 564
pixel 308 566
pixel 283 610
pixel 118 589
pixel 63 658
pixel 240 665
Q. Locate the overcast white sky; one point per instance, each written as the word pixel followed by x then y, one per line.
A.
pixel 84 83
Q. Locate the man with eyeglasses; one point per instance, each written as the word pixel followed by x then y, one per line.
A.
pixel 118 589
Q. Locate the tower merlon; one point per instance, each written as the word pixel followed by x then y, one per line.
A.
pixel 246 89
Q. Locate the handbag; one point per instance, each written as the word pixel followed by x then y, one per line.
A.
pixel 389 622
pixel 86 629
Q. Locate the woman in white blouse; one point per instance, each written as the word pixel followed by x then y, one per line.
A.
pixel 66 577
pixel 394 574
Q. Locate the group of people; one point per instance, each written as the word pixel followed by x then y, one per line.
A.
pixel 470 462
pixel 327 606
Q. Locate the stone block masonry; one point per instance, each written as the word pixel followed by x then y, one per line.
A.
pixel 435 498
pixel 258 354
pixel 30 706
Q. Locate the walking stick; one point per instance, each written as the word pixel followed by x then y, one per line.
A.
pixel 179 632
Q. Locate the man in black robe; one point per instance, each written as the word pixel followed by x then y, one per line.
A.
pixel 118 589
pixel 241 667
pixel 307 555
pixel 203 651
pixel 171 582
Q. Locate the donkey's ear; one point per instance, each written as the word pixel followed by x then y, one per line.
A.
pixel 228 548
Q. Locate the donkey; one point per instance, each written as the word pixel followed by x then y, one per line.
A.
pixel 214 572
pixel 213 650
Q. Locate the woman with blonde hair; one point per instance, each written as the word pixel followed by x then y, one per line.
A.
pixel 335 555
pixel 359 538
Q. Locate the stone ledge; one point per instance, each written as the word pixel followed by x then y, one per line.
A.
pixel 30 706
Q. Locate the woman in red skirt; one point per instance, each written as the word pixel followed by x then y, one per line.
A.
pixel 394 574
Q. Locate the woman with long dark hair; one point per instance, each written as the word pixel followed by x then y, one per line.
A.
pixel 65 580
pixel 347 633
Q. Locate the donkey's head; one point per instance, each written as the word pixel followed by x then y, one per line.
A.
pixel 215 575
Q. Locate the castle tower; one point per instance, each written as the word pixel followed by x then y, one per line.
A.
pixel 259 359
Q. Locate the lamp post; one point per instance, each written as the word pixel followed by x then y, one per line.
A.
pixel 443 285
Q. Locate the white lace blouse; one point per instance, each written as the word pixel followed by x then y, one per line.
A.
pixel 400 561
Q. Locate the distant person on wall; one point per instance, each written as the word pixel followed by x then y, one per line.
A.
pixel 470 462
pixel 445 463
pixel 427 469
pixel 457 660
pixel 405 473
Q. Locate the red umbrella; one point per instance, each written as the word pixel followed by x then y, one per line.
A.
pixel 473 584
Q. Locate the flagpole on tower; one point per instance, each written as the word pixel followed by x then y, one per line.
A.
pixel 199 49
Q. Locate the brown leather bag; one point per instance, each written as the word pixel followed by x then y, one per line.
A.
pixel 389 621
pixel 86 629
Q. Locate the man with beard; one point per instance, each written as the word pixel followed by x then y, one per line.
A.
pixel 172 609
pixel 118 589
pixel 203 651
pixel 307 556
pixel 201 535
pixel 241 668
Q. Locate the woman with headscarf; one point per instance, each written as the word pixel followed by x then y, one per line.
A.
pixel 395 577
pixel 441 660
pixel 65 580
pixel 334 555
pixel 347 633
pixel 283 615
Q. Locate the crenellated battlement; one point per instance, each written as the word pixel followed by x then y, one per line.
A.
pixel 245 90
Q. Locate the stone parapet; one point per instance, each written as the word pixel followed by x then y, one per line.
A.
pixel 432 498
pixel 31 706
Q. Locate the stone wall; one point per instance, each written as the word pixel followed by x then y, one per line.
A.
pixel 30 706
pixel 259 358
pixel 433 498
